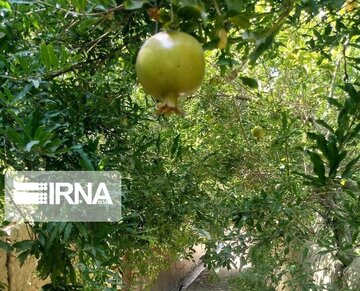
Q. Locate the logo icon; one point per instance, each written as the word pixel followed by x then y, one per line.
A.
pixel 30 193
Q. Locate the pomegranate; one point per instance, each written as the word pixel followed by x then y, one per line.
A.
pixel 258 132
pixel 170 65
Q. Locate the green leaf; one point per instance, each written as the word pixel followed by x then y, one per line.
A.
pixel 72 274
pixel 175 145
pixel 284 121
pixel 34 21
pixel 334 102
pixel 266 44
pixel 22 93
pixel 42 239
pixel 23 256
pixel 44 56
pixel 54 61
pixel 311 135
pixel 83 231
pixel 196 4
pixel 24 63
pixel 82 28
pixel 234 6
pixel 355 235
pixel 8 93
pixel 5 4
pixel 323 145
pixel 54 235
pixel 23 245
pixel 353 133
pixel 354 95
pixel 211 44
pixel 5 246
pixel 15 137
pixel 328 29
pixel 67 232
pixel 252 83
pixel 34 124
pixel 334 158
pixel 304 254
pixel 43 134
pixel 241 21
pixel 318 165
pixel 80 5
pixel 53 145
pixel 343 124
pixel 64 56
pixel 158 143
pixel 349 167
pixel 325 125
pixel 133 4
pixel 85 161
pixel 192 9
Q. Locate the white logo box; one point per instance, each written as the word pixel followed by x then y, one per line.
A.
pixel 44 196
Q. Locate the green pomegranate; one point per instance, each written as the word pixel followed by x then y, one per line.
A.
pixel 258 132
pixel 170 65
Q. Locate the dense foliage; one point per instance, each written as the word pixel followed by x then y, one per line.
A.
pixel 69 100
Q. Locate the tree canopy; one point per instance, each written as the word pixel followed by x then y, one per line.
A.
pixel 70 100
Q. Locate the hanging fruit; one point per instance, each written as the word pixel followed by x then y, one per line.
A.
pixel 170 65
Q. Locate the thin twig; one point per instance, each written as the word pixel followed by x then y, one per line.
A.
pixel 96 41
pixel 217 9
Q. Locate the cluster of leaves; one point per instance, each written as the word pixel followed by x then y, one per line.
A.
pixel 335 157
pixel 333 145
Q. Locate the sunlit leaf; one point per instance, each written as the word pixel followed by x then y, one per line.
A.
pixel 223 39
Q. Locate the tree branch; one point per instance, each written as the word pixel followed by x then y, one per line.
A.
pixel 75 66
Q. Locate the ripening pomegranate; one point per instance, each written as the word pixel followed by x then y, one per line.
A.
pixel 258 132
pixel 170 65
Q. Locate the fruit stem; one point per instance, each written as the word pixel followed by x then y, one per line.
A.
pixel 172 12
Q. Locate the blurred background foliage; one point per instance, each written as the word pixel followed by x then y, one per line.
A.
pixel 69 100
